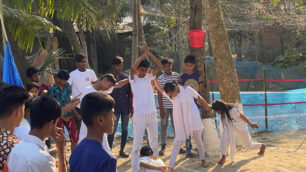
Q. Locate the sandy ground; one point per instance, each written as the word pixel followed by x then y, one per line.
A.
pixel 286 152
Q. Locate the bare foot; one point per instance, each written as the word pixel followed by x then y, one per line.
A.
pixel 222 160
pixel 204 164
pixel 262 149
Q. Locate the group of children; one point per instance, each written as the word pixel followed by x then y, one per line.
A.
pixel 92 104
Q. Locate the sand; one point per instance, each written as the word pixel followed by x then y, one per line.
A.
pixel 286 152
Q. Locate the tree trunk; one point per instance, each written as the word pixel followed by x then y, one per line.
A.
pixel 224 63
pixel 78 43
pixel 238 45
pixel 93 52
pixel 135 12
pixel 211 140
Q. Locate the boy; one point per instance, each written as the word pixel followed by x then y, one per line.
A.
pixel 165 105
pixel 123 99
pixel 193 79
pixel 24 128
pixel 61 91
pixel 145 116
pixel 104 86
pixel 12 100
pixel 32 153
pixel 97 112
pixel 33 89
pixel 33 75
pixel 80 79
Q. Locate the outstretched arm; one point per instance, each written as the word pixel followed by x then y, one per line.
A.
pixel 245 119
pixel 121 83
pixel 203 103
pixel 158 87
pixel 152 167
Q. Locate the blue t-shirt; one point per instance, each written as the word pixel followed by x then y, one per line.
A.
pixel 89 155
pixel 192 80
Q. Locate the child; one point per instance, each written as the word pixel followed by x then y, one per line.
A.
pixel 24 128
pixel 33 75
pixel 194 79
pixel 33 89
pixel 12 100
pixel 187 120
pixel 145 116
pixel 97 111
pixel 232 120
pixel 32 154
pixel 150 163
pixel 165 106
pixel 61 91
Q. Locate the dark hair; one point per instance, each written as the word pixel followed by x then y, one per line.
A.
pixel 110 77
pixel 44 109
pixel 31 71
pixel 95 104
pixel 28 103
pixel 31 85
pixel 220 105
pixel 117 60
pixel 79 58
pixel 170 86
pixel 10 98
pixel 144 63
pixel 166 60
pixel 3 85
pixel 146 151
pixel 190 59
pixel 62 74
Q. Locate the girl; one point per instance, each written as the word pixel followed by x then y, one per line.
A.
pixel 232 120
pixel 186 118
pixel 150 163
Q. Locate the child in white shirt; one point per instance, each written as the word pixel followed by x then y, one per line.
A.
pixel 24 128
pixel 145 116
pixel 150 163
pixel 232 120
pixel 186 118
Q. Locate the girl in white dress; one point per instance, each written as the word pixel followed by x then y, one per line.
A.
pixel 232 120
pixel 186 118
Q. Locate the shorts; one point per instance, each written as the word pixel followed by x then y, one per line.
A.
pixel 71 127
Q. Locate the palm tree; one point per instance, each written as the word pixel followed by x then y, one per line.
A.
pixel 224 63
pixel 26 18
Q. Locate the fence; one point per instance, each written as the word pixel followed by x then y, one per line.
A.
pixel 274 111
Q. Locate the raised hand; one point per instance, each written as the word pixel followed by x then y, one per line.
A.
pixel 59 138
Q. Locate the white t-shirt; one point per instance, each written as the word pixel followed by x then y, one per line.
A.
pixel 83 129
pixel 143 95
pixel 80 80
pixel 148 160
pixel 22 130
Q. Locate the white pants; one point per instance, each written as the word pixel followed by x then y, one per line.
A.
pixel 227 141
pixel 140 123
pixel 197 135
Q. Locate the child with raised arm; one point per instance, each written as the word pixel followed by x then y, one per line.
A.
pixel 150 163
pixel 186 117
pixel 145 116
pixel 232 120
